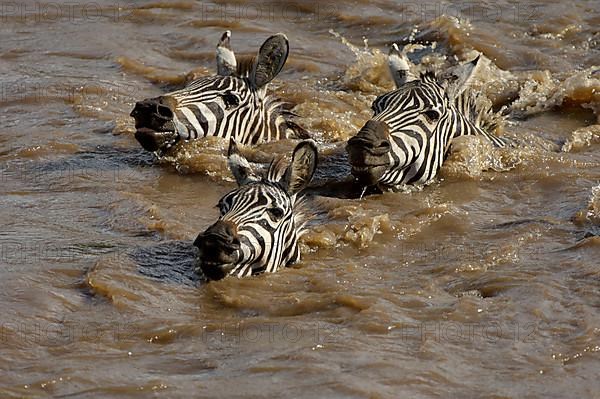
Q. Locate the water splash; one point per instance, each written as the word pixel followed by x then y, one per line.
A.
pixel 362 193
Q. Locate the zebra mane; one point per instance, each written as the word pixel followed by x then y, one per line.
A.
pixel 478 109
pixel 281 111
pixel 456 84
pixel 245 63
pixel 472 104
pixel 428 76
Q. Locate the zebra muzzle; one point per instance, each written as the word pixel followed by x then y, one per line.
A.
pixel 219 249
pixel 368 152
pixel 155 128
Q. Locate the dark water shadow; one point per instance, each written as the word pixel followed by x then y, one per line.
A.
pixel 170 261
pixel 333 178
pixel 591 231
pixel 128 156
pixel 101 158
pixel 521 222
pixel 101 162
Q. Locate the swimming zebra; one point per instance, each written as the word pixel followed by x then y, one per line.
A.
pixel 261 220
pixel 409 135
pixel 234 103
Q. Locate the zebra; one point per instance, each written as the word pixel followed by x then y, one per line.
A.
pixel 234 103
pixel 261 221
pixel 412 128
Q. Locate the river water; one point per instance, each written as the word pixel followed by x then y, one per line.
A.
pixel 484 284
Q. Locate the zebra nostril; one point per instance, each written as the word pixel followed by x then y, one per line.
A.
pixel 141 108
pixel 219 235
pixel 374 145
pixel 384 145
pixel 164 112
pixel 373 137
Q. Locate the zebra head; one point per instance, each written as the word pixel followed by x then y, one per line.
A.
pixel 409 135
pixel 234 103
pixel 261 220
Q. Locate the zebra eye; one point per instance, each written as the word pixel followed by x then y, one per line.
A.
pixel 231 100
pixel 432 115
pixel 276 213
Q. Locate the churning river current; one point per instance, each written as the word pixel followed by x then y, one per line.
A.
pixel 483 284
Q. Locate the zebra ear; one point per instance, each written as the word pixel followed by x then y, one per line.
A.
pixel 270 60
pixel 304 163
pixel 399 66
pixel 464 77
pixel 239 166
pixel 226 62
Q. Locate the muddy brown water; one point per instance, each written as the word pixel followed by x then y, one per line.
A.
pixel 484 284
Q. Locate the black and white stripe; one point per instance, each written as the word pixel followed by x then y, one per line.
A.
pixel 226 107
pixel 268 240
pixel 265 216
pixel 235 103
pixel 232 104
pixel 422 117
